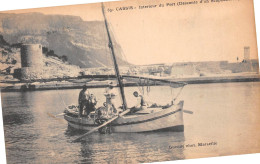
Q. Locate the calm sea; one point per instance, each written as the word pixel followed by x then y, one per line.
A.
pixel 227 116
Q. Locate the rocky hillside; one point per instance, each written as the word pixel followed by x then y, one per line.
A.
pixel 54 66
pixel 9 58
pixel 84 43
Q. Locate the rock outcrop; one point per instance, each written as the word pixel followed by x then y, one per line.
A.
pixel 84 43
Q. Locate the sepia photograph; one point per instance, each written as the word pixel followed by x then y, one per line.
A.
pixel 131 81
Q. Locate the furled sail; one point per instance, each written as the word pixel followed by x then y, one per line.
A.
pixel 128 80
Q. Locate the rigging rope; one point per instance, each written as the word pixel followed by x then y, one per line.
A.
pixel 61 97
pixel 148 88
pixel 139 88
pixel 178 93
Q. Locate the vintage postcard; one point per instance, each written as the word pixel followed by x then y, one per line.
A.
pixel 132 81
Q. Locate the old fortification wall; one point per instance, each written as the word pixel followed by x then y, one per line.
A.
pixel 31 61
pixel 31 55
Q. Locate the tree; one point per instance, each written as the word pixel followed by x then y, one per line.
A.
pixel 64 58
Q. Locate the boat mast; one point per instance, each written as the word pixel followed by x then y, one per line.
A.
pixel 115 62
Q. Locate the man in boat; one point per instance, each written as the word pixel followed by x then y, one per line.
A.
pixel 110 95
pixel 83 100
pixel 140 104
pixel 92 104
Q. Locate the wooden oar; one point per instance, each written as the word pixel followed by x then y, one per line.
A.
pixel 104 124
pixel 58 119
pixel 187 111
pixel 61 114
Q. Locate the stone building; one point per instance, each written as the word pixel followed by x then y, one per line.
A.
pixel 246 54
pixel 31 61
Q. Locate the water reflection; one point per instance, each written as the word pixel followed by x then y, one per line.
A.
pixel 132 147
pixel 70 132
pixel 18 127
pixel 17 115
pixel 127 147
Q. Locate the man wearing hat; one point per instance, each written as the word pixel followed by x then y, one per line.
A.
pixel 110 95
pixel 83 100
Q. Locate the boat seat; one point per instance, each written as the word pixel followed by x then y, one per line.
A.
pixel 149 110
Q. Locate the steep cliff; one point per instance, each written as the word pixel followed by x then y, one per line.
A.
pixel 53 66
pixel 84 43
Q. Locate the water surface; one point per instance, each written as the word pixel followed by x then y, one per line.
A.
pixel 227 114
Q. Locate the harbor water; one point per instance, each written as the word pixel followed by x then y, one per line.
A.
pixel 226 121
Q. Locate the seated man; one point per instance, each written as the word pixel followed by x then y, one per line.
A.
pixel 140 104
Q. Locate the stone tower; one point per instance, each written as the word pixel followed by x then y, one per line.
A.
pixel 31 61
pixel 247 53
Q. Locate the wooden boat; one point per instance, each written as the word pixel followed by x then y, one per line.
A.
pixel 164 118
pixel 150 119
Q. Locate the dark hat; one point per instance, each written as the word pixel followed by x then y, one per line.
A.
pixel 135 92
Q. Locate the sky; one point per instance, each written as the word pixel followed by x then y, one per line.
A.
pixel 187 33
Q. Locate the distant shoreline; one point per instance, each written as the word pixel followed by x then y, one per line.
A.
pixel 36 86
pixel 220 79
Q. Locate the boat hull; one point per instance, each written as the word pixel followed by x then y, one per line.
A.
pixel 170 119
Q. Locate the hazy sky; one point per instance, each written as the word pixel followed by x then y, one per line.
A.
pixel 196 32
